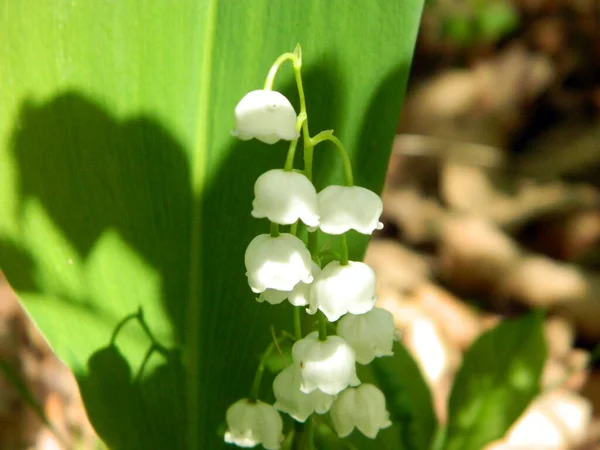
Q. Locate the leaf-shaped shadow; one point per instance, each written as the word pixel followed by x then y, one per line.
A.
pixel 132 413
pixel 92 173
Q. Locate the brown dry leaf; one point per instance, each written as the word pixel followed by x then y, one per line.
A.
pixel 479 105
pixel 395 265
pixel 417 216
pixel 560 336
pixel 459 322
pixel 557 420
pixel 474 254
pixel 466 188
pixel 538 281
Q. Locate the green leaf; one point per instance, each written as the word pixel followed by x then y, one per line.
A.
pixel 495 19
pixel 408 398
pixel 499 377
pixel 122 186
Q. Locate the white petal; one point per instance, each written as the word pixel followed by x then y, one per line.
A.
pixel 301 293
pixel 340 289
pixel 344 208
pixel 265 115
pixel 277 263
pixel 362 407
pixel 298 296
pixel 273 296
pixel 294 402
pixel 325 365
pixel 284 198
pixel 250 423
pixel 370 335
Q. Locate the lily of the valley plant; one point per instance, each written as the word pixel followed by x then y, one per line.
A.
pixel 280 266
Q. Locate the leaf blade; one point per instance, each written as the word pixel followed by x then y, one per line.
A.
pixel 121 128
pixel 408 398
pixel 499 377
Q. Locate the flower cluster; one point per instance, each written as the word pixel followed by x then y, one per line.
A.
pixel 279 265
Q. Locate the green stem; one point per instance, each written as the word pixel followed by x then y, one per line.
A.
pixel 344 250
pixel 294 229
pixel 310 435
pixel 308 159
pixel 297 323
pixel 327 135
pixel 260 370
pixel 322 326
pixel 313 245
pixel 274 229
pixel 289 160
pixel 298 441
pixel 289 336
pixel 275 67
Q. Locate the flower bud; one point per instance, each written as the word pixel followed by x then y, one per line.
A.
pixel 291 400
pixel 344 208
pixel 265 115
pixel 328 365
pixel 339 289
pixel 370 335
pixel 277 262
pixel 250 423
pixel 362 407
pixel 285 197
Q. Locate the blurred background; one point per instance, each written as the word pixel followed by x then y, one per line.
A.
pixel 491 209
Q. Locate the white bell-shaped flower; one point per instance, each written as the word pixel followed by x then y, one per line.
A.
pixel 298 296
pixel 291 400
pixel 370 335
pixel 344 208
pixel 250 423
pixel 273 296
pixel 277 262
pixel 328 365
pixel 265 115
pixel 285 197
pixel 339 289
pixel 362 407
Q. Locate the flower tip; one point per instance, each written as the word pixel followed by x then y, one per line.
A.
pixel 379 226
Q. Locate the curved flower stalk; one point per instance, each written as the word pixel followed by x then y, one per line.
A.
pixel 322 376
